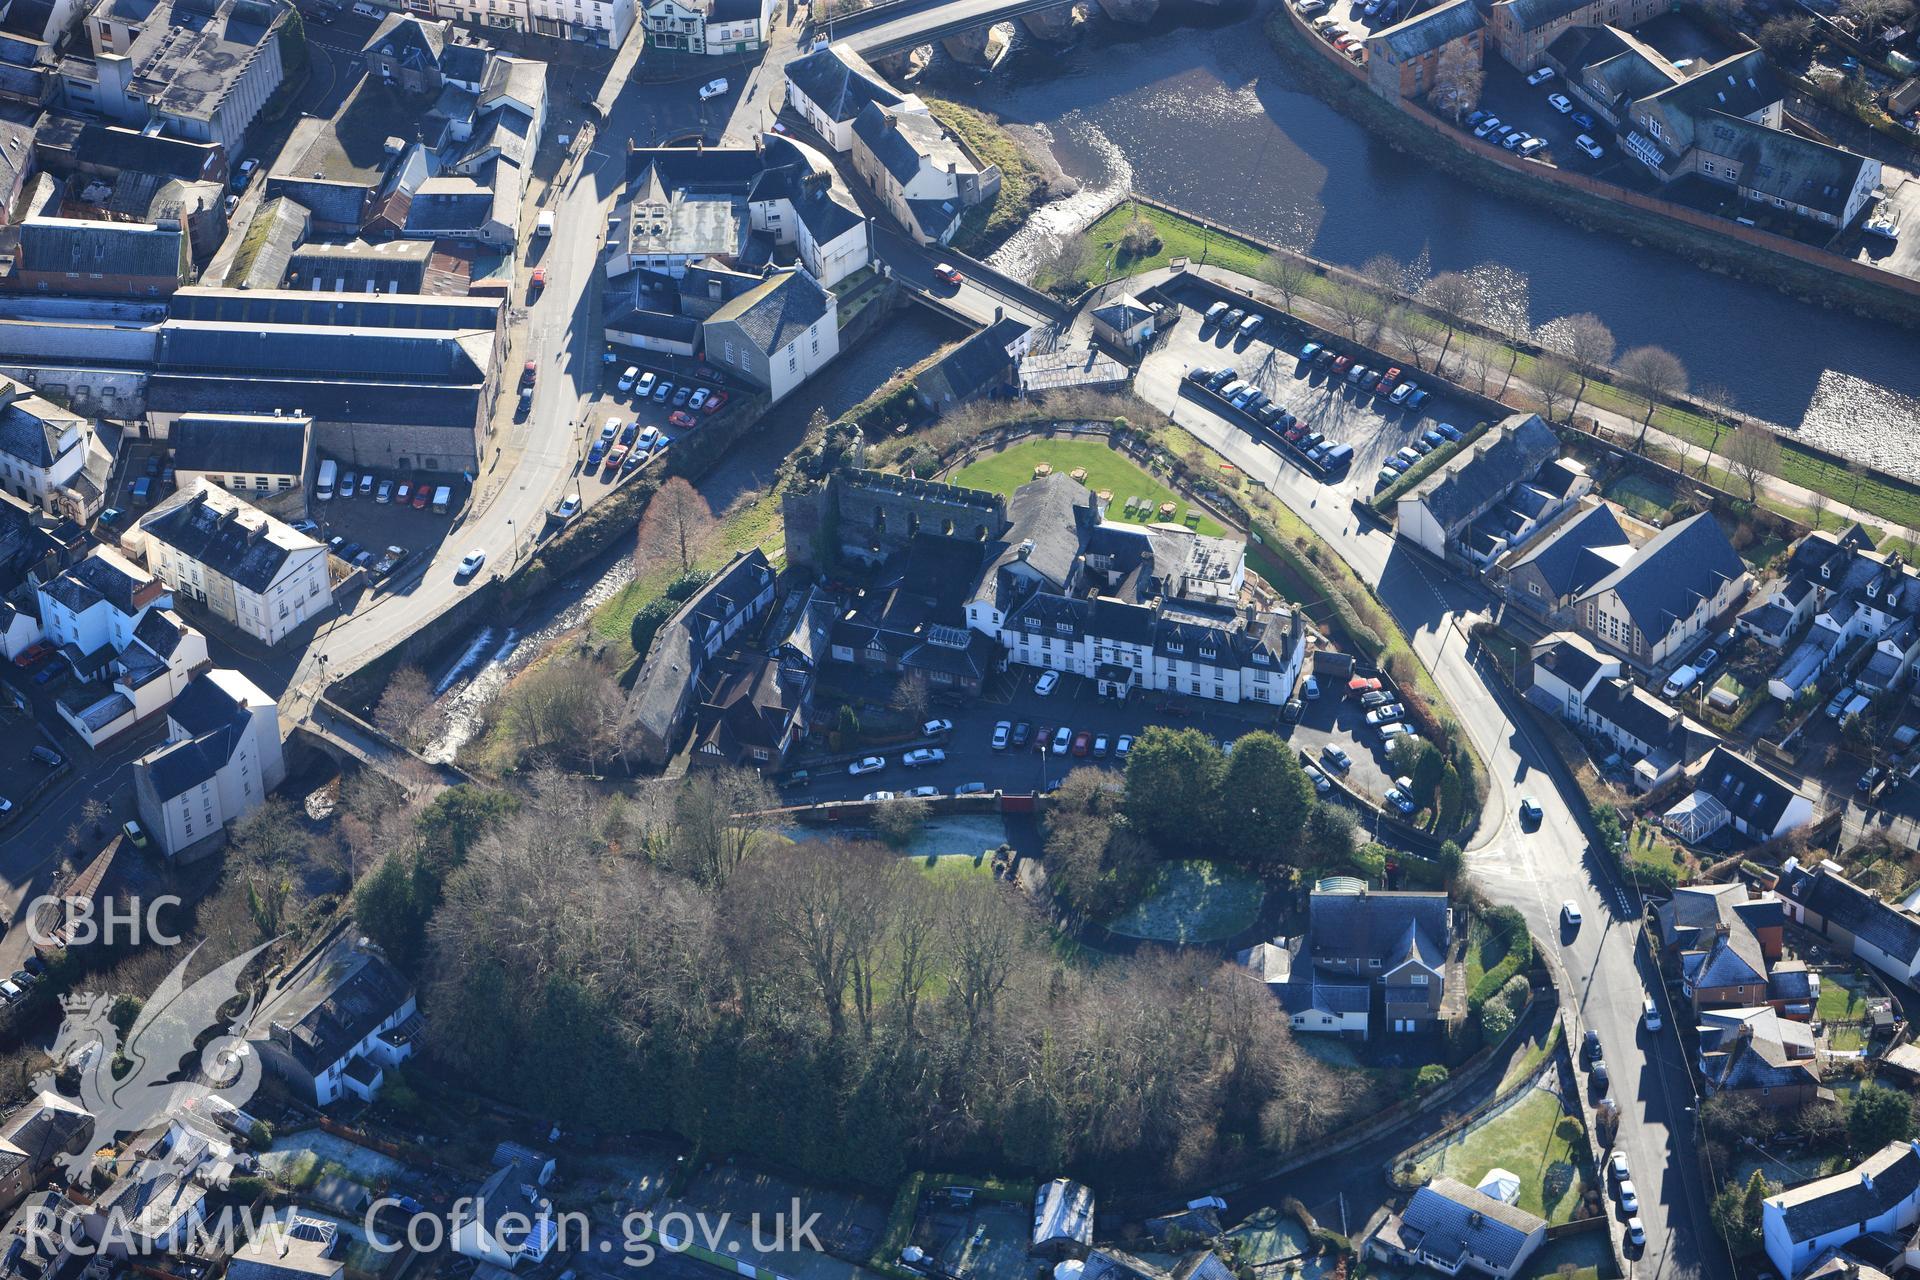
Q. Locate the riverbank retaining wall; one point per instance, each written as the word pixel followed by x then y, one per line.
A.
pixel 1904 304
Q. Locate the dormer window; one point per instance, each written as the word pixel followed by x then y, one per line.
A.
pixel 1209 653
pixel 1064 628
pixel 1260 656
pixel 1174 646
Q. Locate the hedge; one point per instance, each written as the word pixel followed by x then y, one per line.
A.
pixel 1387 499
pixel 1519 956
pixel 1362 636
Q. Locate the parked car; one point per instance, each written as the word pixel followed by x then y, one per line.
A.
pixel 596 452
pixel 1839 702
pixel 1581 120
pixel 1002 732
pixel 1649 1014
pixel 1629 1198
pixel 698 399
pixel 1321 785
pixel 1387 382
pixel 1448 430
pixel 1124 747
pixel 1401 801
pixel 923 756
pixel 714 400
pixel 682 419
pixel 1593 149
pixel 1082 743
pixel 1871 778
pixel 628 378
pixel 1336 757
pixel 615 456
pixel 1617 1167
pixel 662 391
pixel 1022 734
pixel 569 506
pixel 934 728
pixel 1375 698
pixel 1385 715
pixel 1046 683
pixel 643 387
pixel 1531 148
pixel 964 789
pixel 867 764
pixel 1403 392
pixel 1560 102
pixel 1486 126
pixel 1636 1232
pixel 1062 739
pixel 1541 76
pixel 1100 747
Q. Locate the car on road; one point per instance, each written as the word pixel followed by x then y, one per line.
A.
pixel 682 419
pixel 1560 102
pixel 471 562
pixel 1870 779
pixel 713 89
pixel 946 273
pixel 1002 732
pixel 1047 682
pixel 1593 149
pixel 1337 758
pixel 923 756
pixel 1570 913
pixel 1629 1198
pixel 537 281
pixel 1062 739
pixel 1082 743
pixel 135 833
pixel 1124 747
pixel 569 506
pixel 1636 1233
pixel 867 764
pixel 1530 811
pixel 1541 76
pixel 934 728
pixel 1649 1014
pixel 628 378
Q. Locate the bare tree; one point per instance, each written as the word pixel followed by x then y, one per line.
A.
pixel 1752 452
pixel 911 696
pixel 1453 296
pixel 1063 265
pixel 1386 272
pixel 719 819
pixel 1357 306
pixel 403 705
pixel 1872 16
pixel 1785 38
pixel 1816 507
pixel 1587 344
pixel 1554 379
pixel 1654 375
pixel 1477 355
pixel 677 528
pixel 1284 273
pixel 1413 330
pixel 1457 80
pixel 982 940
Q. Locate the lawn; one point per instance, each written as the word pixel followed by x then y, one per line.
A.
pixel 1179 238
pixel 1536 1140
pixel 1650 846
pixel 1843 998
pixel 758 524
pixel 1642 496
pixel 956 866
pixel 1007 470
pixel 1193 901
pixel 1485 950
pixel 985 227
pixel 1532 1052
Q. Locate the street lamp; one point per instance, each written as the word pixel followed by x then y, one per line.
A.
pixel 513 543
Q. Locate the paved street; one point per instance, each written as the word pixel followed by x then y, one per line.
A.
pixel 1534 871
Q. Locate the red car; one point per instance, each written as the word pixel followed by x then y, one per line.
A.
pixel 714 402
pixel 680 418
pixel 1388 381
pixel 946 271
pixel 615 456
pixel 31 654
pixel 1082 742
pixel 539 280
pixel 422 494
pixel 1361 686
pixel 529 373
pixel 1343 364
pixel 1042 738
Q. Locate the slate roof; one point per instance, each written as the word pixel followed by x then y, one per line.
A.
pixel 1845 1200
pixel 1048 513
pixel 1749 792
pixel 239 444
pixel 1786 165
pixel 410 40
pixel 104 575
pixel 1666 579
pixel 137 249
pixel 1428 31
pixel 1575 556
pixel 839 82
pixel 979 364
pixel 1743 85
pixel 1633 710
pixel 184 765
pixel 673 663
pixel 161 631
pixel 30 430
pixel 1832 896
pixel 1380 925
pixel 1571 659
pixel 333 1005
pixel 1530 15
pixel 905 142
pixel 227 535
pixel 1063 1210
pixel 1485 470
pixel 776 313
pixel 1451 1219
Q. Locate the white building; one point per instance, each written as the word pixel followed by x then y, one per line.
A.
pixel 831 86
pixel 711 27
pixel 89 611
pixel 221 758
pixel 48 456
pixel 1452 1227
pixel 924 177
pixel 335 1024
pixel 509 1221
pixel 239 563
pixel 1880 1194
pixel 141 681
pixel 777 334
pixel 601 22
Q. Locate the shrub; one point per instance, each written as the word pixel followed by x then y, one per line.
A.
pixel 1431 1076
pixel 1495 1019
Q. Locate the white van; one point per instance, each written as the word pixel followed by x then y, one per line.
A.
pixel 543 226
pixel 366 10
pixel 1860 703
pixel 323 487
pixel 442 499
pixel 1681 681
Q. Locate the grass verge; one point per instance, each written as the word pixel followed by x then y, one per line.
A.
pixel 984 227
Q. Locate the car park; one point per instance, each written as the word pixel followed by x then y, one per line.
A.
pixel 1593 149
pixel 867 764
pixel 920 756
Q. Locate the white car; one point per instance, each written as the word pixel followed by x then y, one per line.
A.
pixel 1617 1166
pixel 1001 733
pixel 1531 148
pixel 570 506
pixel 1062 739
pixel 1046 683
pixel 1629 1198
pixel 471 564
pixel 1541 76
pixel 1570 912
pixel 933 728
pixel 1593 149
pixel 1881 226
pixel 609 431
pixel 1486 126
pixel 647 439
pixel 1124 747
pixel 1559 102
pixel 628 378
pixel 1636 1232
pixel 713 89
pixel 698 398
pixel 867 764
pixel 644 385
pixel 874 797
pixel 923 755
pixel 921 793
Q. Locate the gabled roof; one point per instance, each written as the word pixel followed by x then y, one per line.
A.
pixel 839 82
pixel 325 1009
pixel 1885 1179
pixel 1429 30
pixel 1453 1220
pixel 1749 792
pixel 1832 896
pixel 774 314
pixel 905 142
pixel 1389 927
pixel 408 39
pixel 1485 470
pixel 1633 711
pixel 1580 552
pixel 240 444
pixel 1665 580
pixel 138 249
pixel 227 535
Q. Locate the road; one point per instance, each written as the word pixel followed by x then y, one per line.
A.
pixel 1535 871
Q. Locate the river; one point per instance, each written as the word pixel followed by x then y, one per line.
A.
pixel 1207 118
